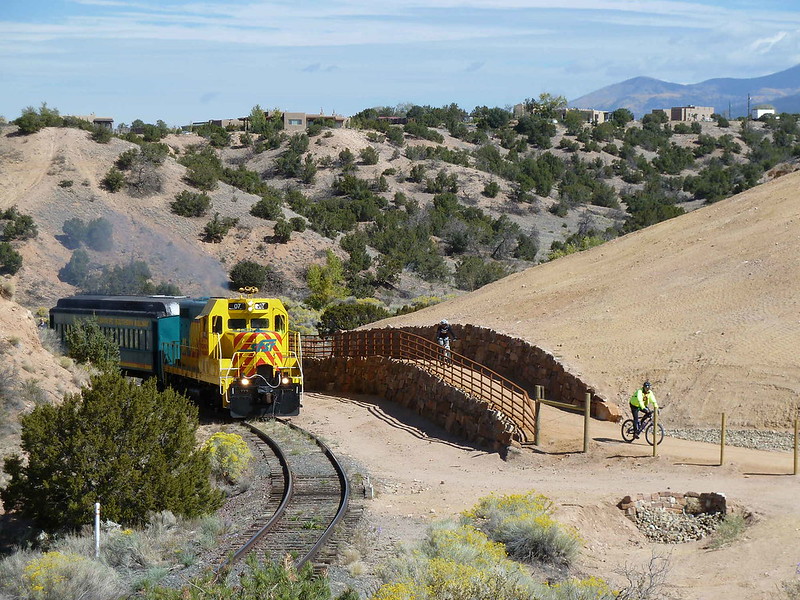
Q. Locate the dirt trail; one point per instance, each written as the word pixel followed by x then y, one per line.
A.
pixel 421 474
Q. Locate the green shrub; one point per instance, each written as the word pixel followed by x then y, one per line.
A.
pixel 229 455
pixel 523 522
pixel 10 259
pixel 65 183
pixel 31 120
pixel 143 457
pixel 204 167
pixel 491 189
pixel 728 531
pixel 269 208
pixel 19 226
pixel 216 229
pixel 191 204
pixel 87 342
pixel 101 135
pixel 349 316
pixel 472 272
pixel 76 271
pixel 282 231
pixel 258 581
pixel 369 156
pixel 132 278
pixel 57 575
pixel 298 224
pixel 100 234
pixel 247 273
pixel 113 181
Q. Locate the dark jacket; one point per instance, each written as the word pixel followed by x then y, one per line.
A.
pixel 445 331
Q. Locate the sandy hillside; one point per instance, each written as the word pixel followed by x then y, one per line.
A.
pixel 704 305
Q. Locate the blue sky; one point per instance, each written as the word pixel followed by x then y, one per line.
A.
pixel 182 60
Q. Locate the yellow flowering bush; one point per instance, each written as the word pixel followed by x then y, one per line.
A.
pixel 592 588
pixel 48 570
pixel 229 454
pixel 523 522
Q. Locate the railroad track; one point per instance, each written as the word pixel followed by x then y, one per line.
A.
pixel 300 512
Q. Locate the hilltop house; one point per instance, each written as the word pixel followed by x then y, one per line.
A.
pixel 691 113
pixel 292 121
pixel 104 122
pixel 762 109
pixel 590 115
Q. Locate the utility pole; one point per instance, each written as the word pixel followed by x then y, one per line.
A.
pixel 748 107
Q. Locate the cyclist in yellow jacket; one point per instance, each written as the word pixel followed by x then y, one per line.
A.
pixel 643 400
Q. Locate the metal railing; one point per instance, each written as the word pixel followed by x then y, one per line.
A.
pixel 469 376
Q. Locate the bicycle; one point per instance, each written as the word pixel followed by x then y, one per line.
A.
pixel 645 426
pixel 444 353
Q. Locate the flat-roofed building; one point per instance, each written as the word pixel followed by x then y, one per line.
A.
pixel 691 113
pixel 590 115
pixel 104 122
pixel 762 109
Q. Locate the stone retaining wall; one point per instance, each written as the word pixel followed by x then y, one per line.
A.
pixel 691 503
pixel 415 389
pixel 526 365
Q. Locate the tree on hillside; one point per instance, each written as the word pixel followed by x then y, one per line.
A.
pixel 326 282
pixel 349 316
pixel 621 117
pixel 76 271
pixel 547 106
pixel 31 120
pixel 127 446
pixel 10 259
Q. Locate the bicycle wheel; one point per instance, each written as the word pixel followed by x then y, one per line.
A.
pixel 628 430
pixel 648 434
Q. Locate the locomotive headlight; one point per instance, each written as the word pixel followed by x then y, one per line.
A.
pixel 285 380
pixel 249 305
pixel 244 381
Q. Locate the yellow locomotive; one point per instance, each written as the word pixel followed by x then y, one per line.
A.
pixel 237 352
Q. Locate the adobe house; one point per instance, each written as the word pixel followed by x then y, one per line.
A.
pixel 691 113
pixel 104 122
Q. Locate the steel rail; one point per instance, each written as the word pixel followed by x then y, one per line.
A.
pixel 288 491
pixel 344 497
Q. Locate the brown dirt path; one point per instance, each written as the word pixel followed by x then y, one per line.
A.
pixel 421 474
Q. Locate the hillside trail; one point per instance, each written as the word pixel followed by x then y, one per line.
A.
pixel 23 170
pixel 421 474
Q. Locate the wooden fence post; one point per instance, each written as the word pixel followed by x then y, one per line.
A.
pixel 722 442
pixel 587 411
pixel 537 390
pixel 655 432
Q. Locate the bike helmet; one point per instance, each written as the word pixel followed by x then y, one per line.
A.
pixel 646 385
pixel 443 322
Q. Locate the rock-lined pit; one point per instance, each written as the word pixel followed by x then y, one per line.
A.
pixel 673 518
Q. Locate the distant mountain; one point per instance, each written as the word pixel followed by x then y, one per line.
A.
pixel 643 94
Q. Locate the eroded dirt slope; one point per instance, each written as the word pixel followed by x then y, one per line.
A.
pixel 704 305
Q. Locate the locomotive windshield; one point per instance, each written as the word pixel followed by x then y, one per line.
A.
pixel 259 323
pixel 238 324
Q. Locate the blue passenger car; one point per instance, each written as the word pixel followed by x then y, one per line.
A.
pixel 138 324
